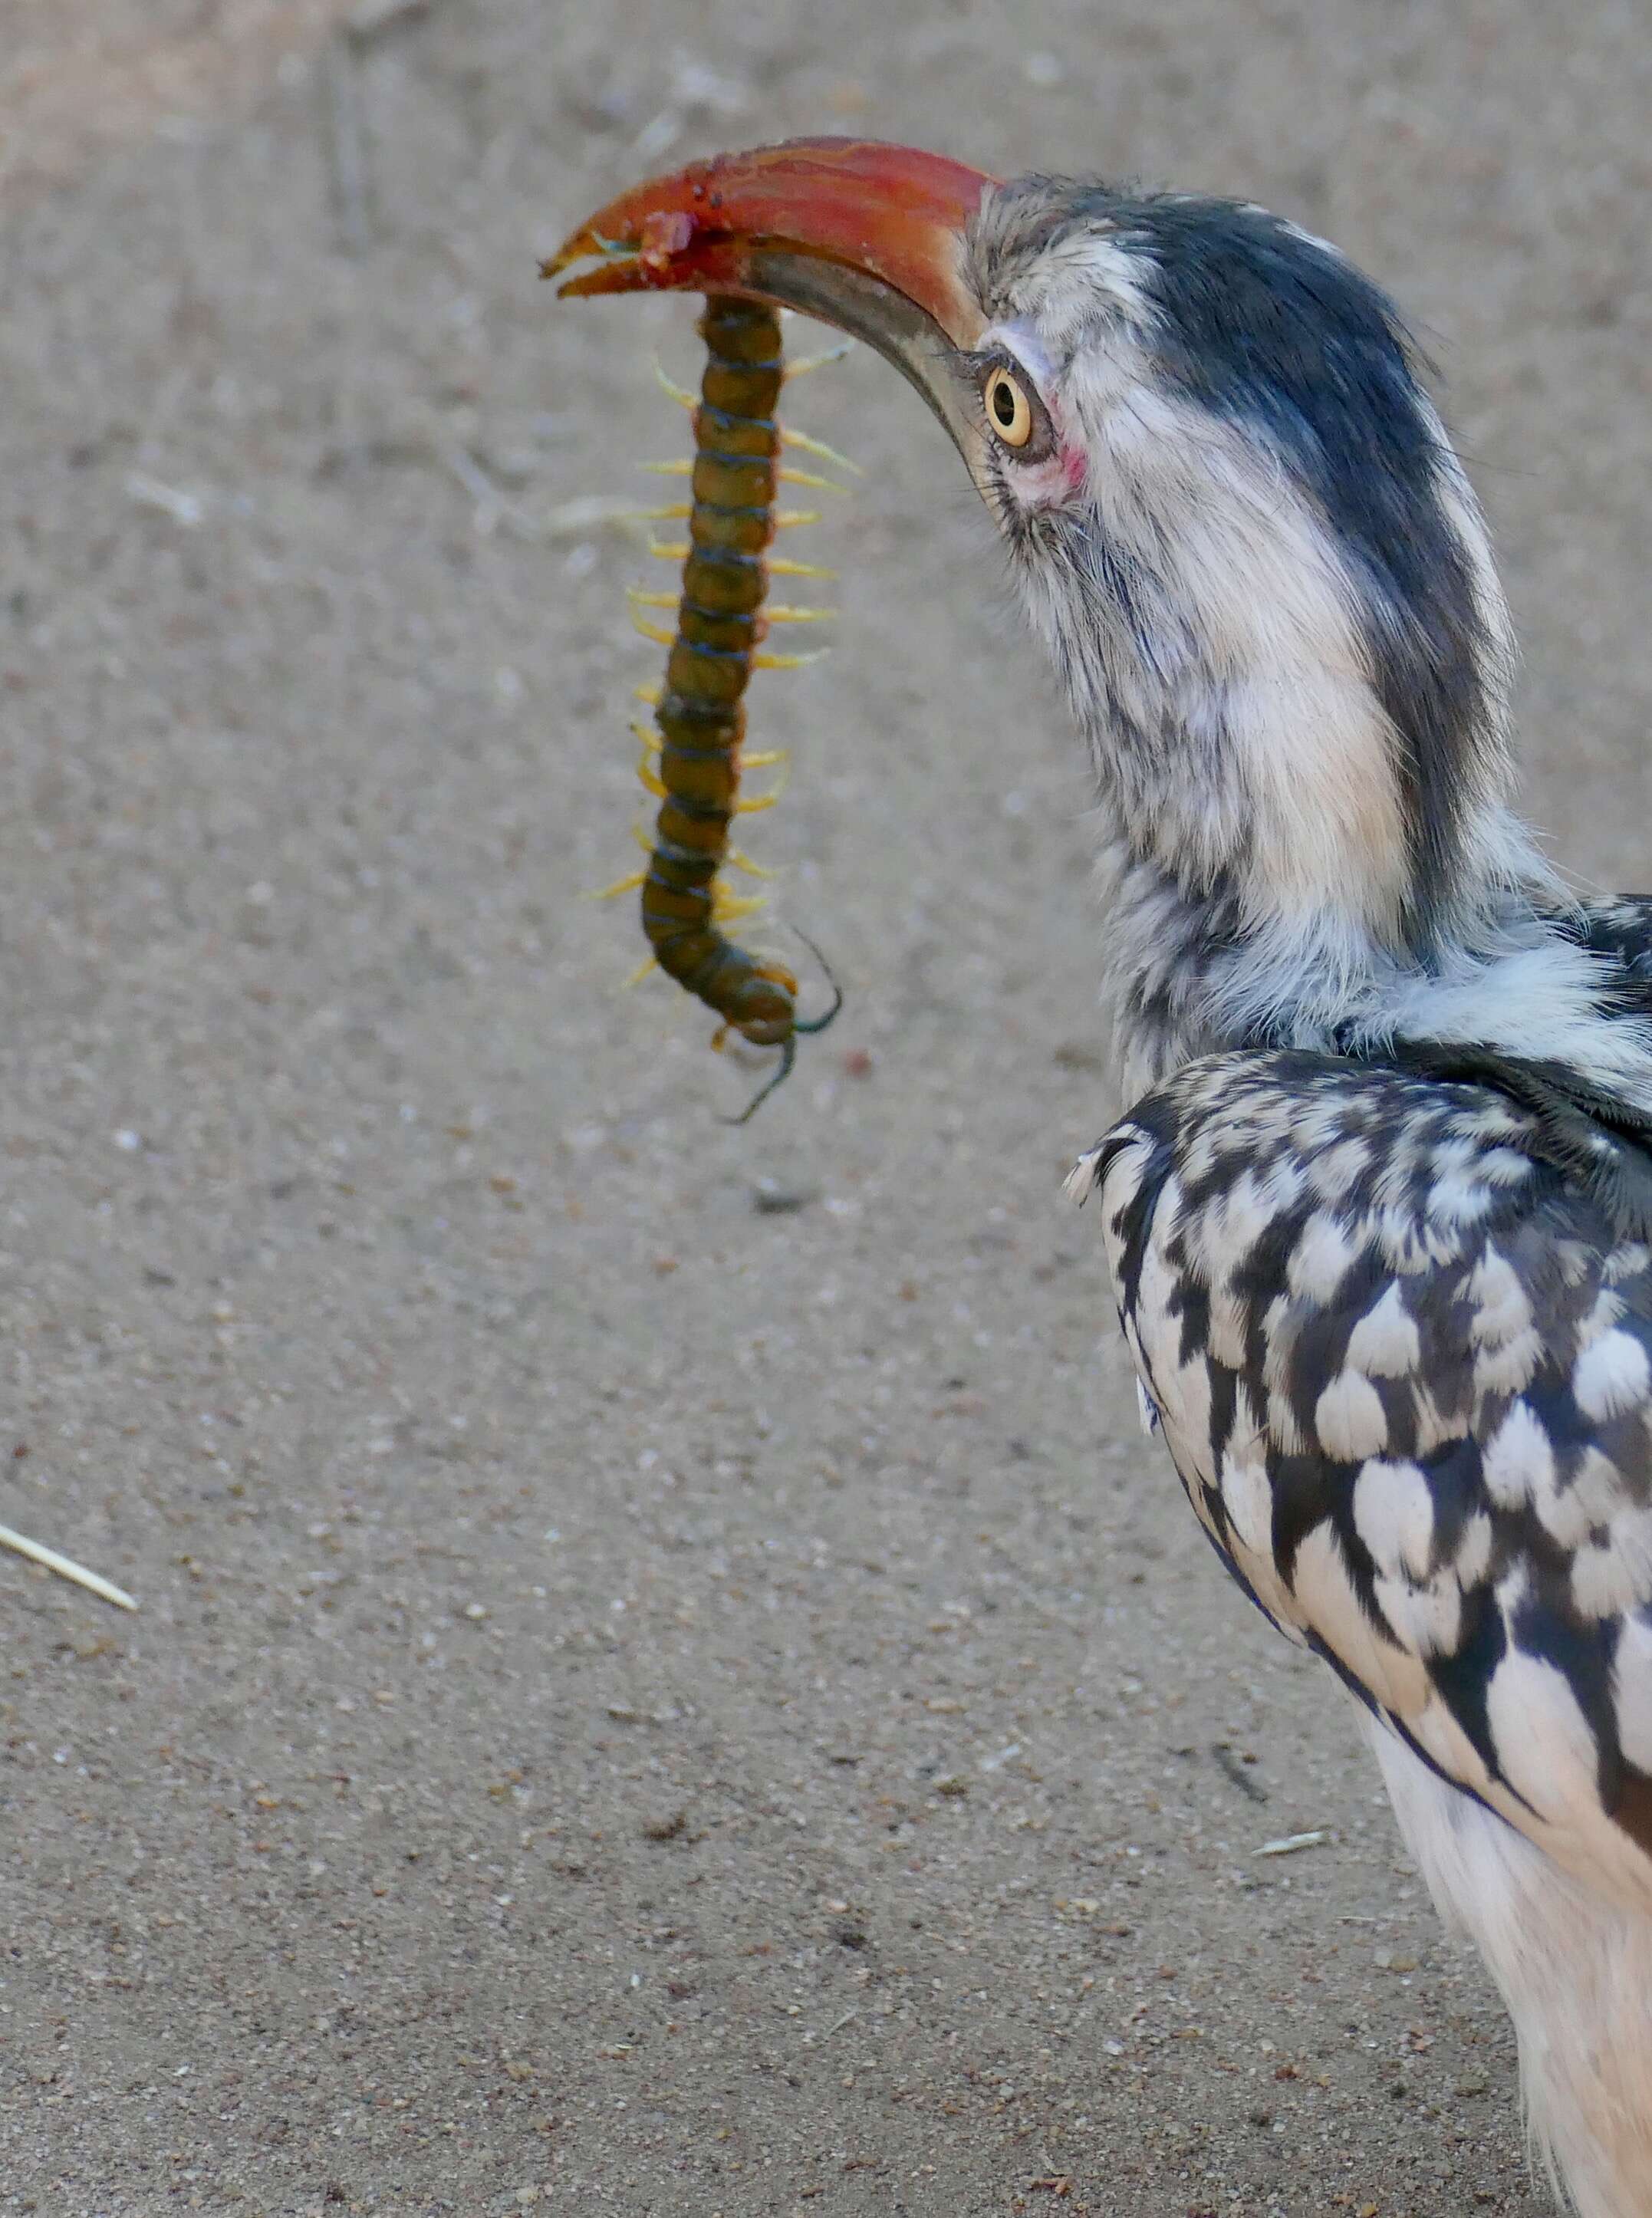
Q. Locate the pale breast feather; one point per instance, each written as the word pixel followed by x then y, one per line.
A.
pixel 1412 1405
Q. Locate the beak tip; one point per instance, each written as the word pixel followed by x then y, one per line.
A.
pixel 579 246
pixel 648 254
pixel 892 213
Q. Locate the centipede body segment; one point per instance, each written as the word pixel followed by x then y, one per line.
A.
pixel 700 711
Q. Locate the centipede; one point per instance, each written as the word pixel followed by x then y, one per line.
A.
pixel 695 752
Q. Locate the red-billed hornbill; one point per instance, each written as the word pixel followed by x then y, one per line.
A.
pixel 1379 1220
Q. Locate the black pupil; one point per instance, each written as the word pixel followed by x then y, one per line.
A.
pixel 1004 400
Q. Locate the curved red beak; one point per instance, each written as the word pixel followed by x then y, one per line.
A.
pixel 863 235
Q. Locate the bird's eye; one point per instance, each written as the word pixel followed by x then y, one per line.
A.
pixel 1009 410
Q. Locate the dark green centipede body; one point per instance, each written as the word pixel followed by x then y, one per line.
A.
pixel 701 715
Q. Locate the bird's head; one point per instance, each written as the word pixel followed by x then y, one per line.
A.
pixel 1232 512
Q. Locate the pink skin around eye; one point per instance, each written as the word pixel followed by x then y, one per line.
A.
pixel 1060 477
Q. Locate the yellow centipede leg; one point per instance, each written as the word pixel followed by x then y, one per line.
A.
pixel 620 886
pixel 649 695
pixel 791 436
pixel 799 477
pixel 675 513
pixel 680 393
pixel 766 661
pixel 673 550
pixel 639 599
pixel 782 612
pixel 781 565
pixel 650 783
pixel 737 861
pixel 731 908
pixel 658 633
pixel 756 803
pixel 769 756
pixel 786 518
pixel 679 467
pixel 806 363
pixel 647 734
pixel 641 972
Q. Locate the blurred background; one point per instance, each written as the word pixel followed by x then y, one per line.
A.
pixel 668 1679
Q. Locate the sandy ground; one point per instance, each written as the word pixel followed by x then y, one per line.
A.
pixel 668 1681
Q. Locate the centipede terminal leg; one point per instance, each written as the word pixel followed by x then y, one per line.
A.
pixel 818 1023
pixel 787 1057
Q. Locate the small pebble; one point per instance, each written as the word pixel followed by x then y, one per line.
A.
pixel 769 1198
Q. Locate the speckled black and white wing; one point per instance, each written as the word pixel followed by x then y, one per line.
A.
pixel 1404 1368
pixel 1620 926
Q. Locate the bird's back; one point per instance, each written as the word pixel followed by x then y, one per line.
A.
pixel 1618 926
pixel 1403 1363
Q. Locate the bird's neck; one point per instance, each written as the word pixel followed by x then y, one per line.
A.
pixel 1284 864
pixel 1304 773
pixel 1299 732
pixel 1192 972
